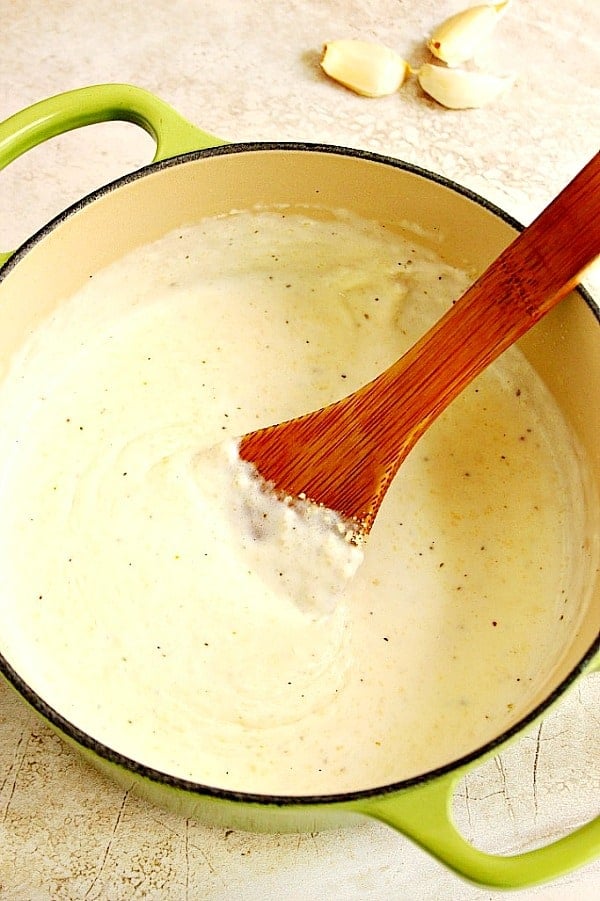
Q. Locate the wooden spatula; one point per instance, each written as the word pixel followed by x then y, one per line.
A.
pixel 345 455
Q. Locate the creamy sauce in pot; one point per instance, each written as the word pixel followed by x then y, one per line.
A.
pixel 125 599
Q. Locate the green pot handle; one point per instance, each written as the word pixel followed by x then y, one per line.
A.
pixel 423 813
pixel 100 103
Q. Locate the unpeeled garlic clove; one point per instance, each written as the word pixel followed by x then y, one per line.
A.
pixel 459 37
pixel 460 89
pixel 365 68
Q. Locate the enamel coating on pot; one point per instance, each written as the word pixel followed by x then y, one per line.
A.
pixel 179 191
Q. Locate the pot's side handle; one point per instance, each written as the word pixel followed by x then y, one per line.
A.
pixel 100 103
pixel 423 813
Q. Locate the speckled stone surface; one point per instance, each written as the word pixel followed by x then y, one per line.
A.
pixel 247 70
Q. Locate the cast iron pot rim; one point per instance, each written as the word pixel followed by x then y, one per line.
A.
pixel 103 751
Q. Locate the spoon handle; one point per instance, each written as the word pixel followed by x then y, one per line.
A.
pixel 532 274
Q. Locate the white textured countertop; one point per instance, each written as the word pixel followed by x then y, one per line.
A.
pixel 248 70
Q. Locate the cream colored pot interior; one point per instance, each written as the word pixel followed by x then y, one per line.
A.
pixel 564 347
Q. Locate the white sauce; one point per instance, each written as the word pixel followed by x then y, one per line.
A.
pixel 300 550
pixel 125 598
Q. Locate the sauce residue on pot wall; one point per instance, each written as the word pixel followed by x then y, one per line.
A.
pixel 121 612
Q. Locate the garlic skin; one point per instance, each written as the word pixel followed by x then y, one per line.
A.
pixel 459 88
pixel 371 70
pixel 459 37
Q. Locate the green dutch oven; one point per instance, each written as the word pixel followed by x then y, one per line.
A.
pixel 194 174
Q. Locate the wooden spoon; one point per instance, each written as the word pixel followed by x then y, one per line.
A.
pixel 345 455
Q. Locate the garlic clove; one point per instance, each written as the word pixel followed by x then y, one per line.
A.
pixel 461 89
pixel 365 68
pixel 458 38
